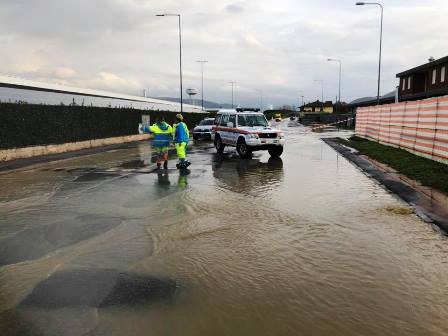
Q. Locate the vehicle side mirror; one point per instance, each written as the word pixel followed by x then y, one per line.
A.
pixel 230 124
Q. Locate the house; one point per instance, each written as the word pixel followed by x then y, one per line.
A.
pixel 317 106
pixel 388 98
pixel 425 81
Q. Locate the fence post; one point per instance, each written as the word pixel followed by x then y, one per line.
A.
pixel 435 129
pixel 389 124
pixel 379 121
pixel 417 125
pixel 402 124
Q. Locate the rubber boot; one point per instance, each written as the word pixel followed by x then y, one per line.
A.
pixel 159 165
pixel 181 164
pixel 165 164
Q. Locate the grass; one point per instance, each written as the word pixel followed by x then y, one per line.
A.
pixel 428 172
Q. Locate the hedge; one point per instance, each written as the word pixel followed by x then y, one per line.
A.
pixel 23 125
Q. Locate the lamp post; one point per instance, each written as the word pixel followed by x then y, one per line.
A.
pixel 180 60
pixel 261 100
pixel 381 42
pixel 232 83
pixel 321 81
pixel 300 92
pixel 340 73
pixel 202 81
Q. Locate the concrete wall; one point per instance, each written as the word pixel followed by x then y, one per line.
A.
pixel 27 152
pixel 28 130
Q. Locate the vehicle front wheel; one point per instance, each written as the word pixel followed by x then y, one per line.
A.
pixel 242 149
pixel 276 151
pixel 219 145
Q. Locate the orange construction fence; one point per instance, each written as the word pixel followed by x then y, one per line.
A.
pixel 420 127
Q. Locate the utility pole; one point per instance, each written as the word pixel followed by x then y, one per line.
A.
pixel 301 92
pixel 321 81
pixel 340 75
pixel 261 99
pixel 202 62
pixel 232 83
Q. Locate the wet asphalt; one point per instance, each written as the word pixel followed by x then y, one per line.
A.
pixel 104 244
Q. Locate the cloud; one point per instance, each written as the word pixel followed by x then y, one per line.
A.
pixel 278 46
pixel 64 72
pixel 112 81
pixel 253 42
pixel 234 9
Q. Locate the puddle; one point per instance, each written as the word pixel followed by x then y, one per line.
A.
pixel 306 244
pixel 94 176
pixel 39 240
pixel 98 288
pixel 133 164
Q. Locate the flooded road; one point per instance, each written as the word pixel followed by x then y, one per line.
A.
pixel 303 245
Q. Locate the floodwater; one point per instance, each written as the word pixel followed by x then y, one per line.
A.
pixel 302 245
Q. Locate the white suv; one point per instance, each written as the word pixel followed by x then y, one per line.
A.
pixel 248 131
pixel 204 129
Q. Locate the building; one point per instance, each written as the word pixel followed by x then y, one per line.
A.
pixel 317 107
pixel 388 98
pixel 102 98
pixel 425 81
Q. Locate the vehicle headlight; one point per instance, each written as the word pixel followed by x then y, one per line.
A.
pixel 281 135
pixel 252 136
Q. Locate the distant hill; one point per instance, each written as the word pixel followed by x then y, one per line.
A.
pixel 207 104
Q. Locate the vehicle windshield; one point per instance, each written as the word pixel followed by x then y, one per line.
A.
pixel 252 120
pixel 207 122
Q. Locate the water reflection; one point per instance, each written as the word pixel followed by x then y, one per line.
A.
pixel 182 181
pixel 249 176
pixel 163 179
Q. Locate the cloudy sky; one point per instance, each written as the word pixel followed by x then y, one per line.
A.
pixel 276 46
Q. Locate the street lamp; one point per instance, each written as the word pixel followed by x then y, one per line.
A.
pixel 321 81
pixel 301 92
pixel 202 81
pixel 261 99
pixel 340 72
pixel 381 42
pixel 180 60
pixel 232 83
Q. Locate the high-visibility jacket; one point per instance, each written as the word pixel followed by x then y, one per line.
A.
pixel 162 134
pixel 181 133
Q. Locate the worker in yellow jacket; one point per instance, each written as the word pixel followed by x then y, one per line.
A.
pixel 161 141
pixel 181 137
